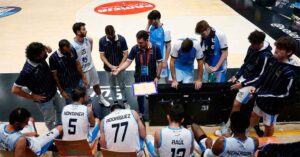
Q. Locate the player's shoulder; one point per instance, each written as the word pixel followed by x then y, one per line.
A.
pixel 220 34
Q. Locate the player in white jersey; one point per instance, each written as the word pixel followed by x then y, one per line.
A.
pixel 84 46
pixel 13 139
pixel 173 140
pixel 238 145
pixel 77 119
pixel 122 130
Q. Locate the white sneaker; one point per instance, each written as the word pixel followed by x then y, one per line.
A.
pixel 126 105
pixel 103 101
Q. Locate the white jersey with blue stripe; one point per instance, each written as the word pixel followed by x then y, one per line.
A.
pixel 84 52
pixel 8 140
pixel 121 131
pixel 234 147
pixel 75 122
pixel 175 142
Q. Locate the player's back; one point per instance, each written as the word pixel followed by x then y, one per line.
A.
pixel 121 131
pixel 75 122
pixel 8 139
pixel 234 147
pixel 175 142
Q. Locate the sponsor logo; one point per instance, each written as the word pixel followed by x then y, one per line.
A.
pixel 292 34
pixel 124 8
pixel 8 10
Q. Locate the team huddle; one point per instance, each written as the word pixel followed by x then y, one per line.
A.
pixel 62 91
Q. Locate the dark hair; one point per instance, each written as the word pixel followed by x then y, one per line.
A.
pixel 256 37
pixel 154 14
pixel 142 34
pixel 63 43
pixel 78 93
pixel 19 115
pixel 109 30
pixel 239 122
pixel 33 50
pixel 76 27
pixel 176 113
pixel 116 106
pixel 186 45
pixel 201 26
pixel 287 43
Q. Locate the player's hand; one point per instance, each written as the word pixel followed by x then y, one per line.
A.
pixel 252 90
pixel 232 79
pixel 65 95
pixel 115 71
pixel 165 64
pixel 156 80
pixel 236 86
pixel 212 69
pixel 208 68
pixel 113 67
pixel 208 142
pixel 37 98
pixel 198 84
pixel 174 84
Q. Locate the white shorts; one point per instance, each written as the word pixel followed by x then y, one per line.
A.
pixel 92 77
pixel 184 76
pixel 243 96
pixel 39 145
pixel 268 119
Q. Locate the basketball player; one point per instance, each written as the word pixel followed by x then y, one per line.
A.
pixel 249 72
pixel 184 53
pixel 173 140
pixel 77 118
pixel 215 50
pixel 12 139
pixel 160 36
pixel 122 130
pixel 238 145
pixel 275 86
pixel 84 46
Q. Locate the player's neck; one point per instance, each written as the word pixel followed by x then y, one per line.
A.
pixel 79 39
pixel 240 136
pixel 10 128
pixel 174 125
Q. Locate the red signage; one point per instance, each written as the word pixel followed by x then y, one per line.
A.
pixel 124 7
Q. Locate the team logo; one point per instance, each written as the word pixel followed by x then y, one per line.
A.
pixel 8 10
pixel 124 8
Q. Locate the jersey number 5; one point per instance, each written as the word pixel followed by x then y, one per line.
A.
pixel 117 126
pixel 72 126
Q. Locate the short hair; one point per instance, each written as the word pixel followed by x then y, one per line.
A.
pixel 201 26
pixel 176 113
pixel 239 122
pixel 154 14
pixel 76 26
pixel 109 30
pixel 63 43
pixel 287 43
pixel 116 106
pixel 142 34
pixel 33 50
pixel 256 37
pixel 19 115
pixel 78 93
pixel 186 45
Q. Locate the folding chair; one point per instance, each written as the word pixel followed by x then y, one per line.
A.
pixel 75 148
pixel 108 153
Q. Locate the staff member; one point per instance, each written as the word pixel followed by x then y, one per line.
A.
pixel 37 77
pixel 114 52
pixel 148 63
pixel 66 69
